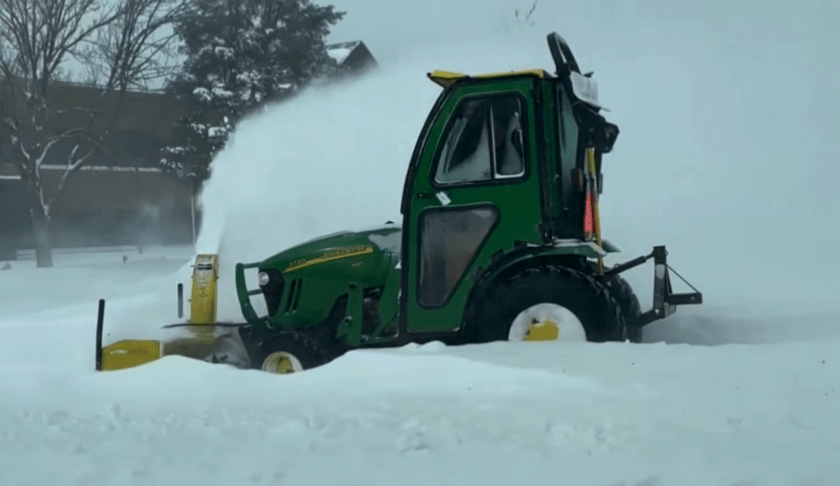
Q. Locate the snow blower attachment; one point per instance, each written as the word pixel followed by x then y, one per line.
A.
pixel 200 338
pixel 501 240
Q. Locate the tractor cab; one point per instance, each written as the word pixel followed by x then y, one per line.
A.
pixel 506 161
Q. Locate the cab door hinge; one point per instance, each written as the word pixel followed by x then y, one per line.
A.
pixel 536 93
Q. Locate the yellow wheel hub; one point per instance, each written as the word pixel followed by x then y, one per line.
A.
pixel 544 330
pixel 547 322
pixel 281 363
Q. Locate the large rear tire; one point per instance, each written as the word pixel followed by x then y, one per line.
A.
pixel 550 292
pixel 627 300
pixel 630 307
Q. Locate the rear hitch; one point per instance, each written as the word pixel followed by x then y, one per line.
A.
pixel 665 301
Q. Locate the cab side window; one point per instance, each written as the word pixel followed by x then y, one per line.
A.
pixel 484 140
pixel 508 137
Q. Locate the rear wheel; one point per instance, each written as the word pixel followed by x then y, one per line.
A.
pixel 546 321
pixel 546 303
pixel 630 307
pixel 627 301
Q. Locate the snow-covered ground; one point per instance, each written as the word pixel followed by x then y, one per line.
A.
pixel 615 414
pixel 726 155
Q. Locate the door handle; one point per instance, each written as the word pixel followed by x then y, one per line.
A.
pixel 441 196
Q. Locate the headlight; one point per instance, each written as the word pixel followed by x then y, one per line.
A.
pixel 264 279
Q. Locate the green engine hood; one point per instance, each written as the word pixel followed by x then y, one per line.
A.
pixel 361 251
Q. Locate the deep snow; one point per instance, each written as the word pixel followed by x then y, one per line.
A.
pixel 650 414
pixel 725 156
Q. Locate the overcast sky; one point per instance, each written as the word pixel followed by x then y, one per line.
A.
pixel 389 26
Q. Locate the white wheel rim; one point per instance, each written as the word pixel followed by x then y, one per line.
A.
pixel 547 322
pixel 282 363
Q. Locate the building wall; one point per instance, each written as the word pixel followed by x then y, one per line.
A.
pixel 14 219
pixel 103 208
pixel 120 197
pixel 122 207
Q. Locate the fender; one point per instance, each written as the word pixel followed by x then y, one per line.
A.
pixel 556 249
pixel 609 247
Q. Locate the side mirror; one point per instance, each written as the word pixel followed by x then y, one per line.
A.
pixel 605 137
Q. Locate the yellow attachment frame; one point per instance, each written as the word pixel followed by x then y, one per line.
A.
pixel 129 353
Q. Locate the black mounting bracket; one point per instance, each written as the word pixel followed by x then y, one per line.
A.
pixel 665 301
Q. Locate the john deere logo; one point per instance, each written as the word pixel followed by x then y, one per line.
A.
pixel 330 256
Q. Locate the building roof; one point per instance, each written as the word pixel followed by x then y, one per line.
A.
pixel 353 54
pixel 341 51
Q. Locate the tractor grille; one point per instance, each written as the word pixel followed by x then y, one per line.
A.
pixel 293 299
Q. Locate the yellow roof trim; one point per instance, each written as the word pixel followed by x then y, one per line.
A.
pixel 447 78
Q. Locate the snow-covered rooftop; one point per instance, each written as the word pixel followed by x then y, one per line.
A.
pixel 342 50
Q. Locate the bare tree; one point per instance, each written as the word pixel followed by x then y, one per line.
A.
pixel 120 45
pixel 137 49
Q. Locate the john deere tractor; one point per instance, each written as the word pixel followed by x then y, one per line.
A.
pixel 500 238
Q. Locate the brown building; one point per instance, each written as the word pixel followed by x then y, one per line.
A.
pixel 121 196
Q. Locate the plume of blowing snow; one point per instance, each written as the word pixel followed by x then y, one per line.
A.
pixel 334 158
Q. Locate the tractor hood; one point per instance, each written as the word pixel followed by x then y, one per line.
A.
pixel 345 248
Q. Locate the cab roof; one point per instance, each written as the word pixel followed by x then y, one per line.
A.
pixel 446 79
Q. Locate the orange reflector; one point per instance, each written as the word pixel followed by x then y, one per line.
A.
pixel 588 220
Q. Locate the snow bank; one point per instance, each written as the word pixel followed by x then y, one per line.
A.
pixel 668 415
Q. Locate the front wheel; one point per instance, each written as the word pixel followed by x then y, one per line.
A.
pixel 548 303
pixel 290 353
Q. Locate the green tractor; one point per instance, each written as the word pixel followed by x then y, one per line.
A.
pixel 500 238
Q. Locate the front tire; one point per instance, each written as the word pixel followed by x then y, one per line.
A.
pixel 290 353
pixel 557 291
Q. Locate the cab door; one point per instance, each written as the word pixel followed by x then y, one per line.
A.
pixel 475 191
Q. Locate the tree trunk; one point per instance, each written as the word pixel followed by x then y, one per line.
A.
pixel 41 232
